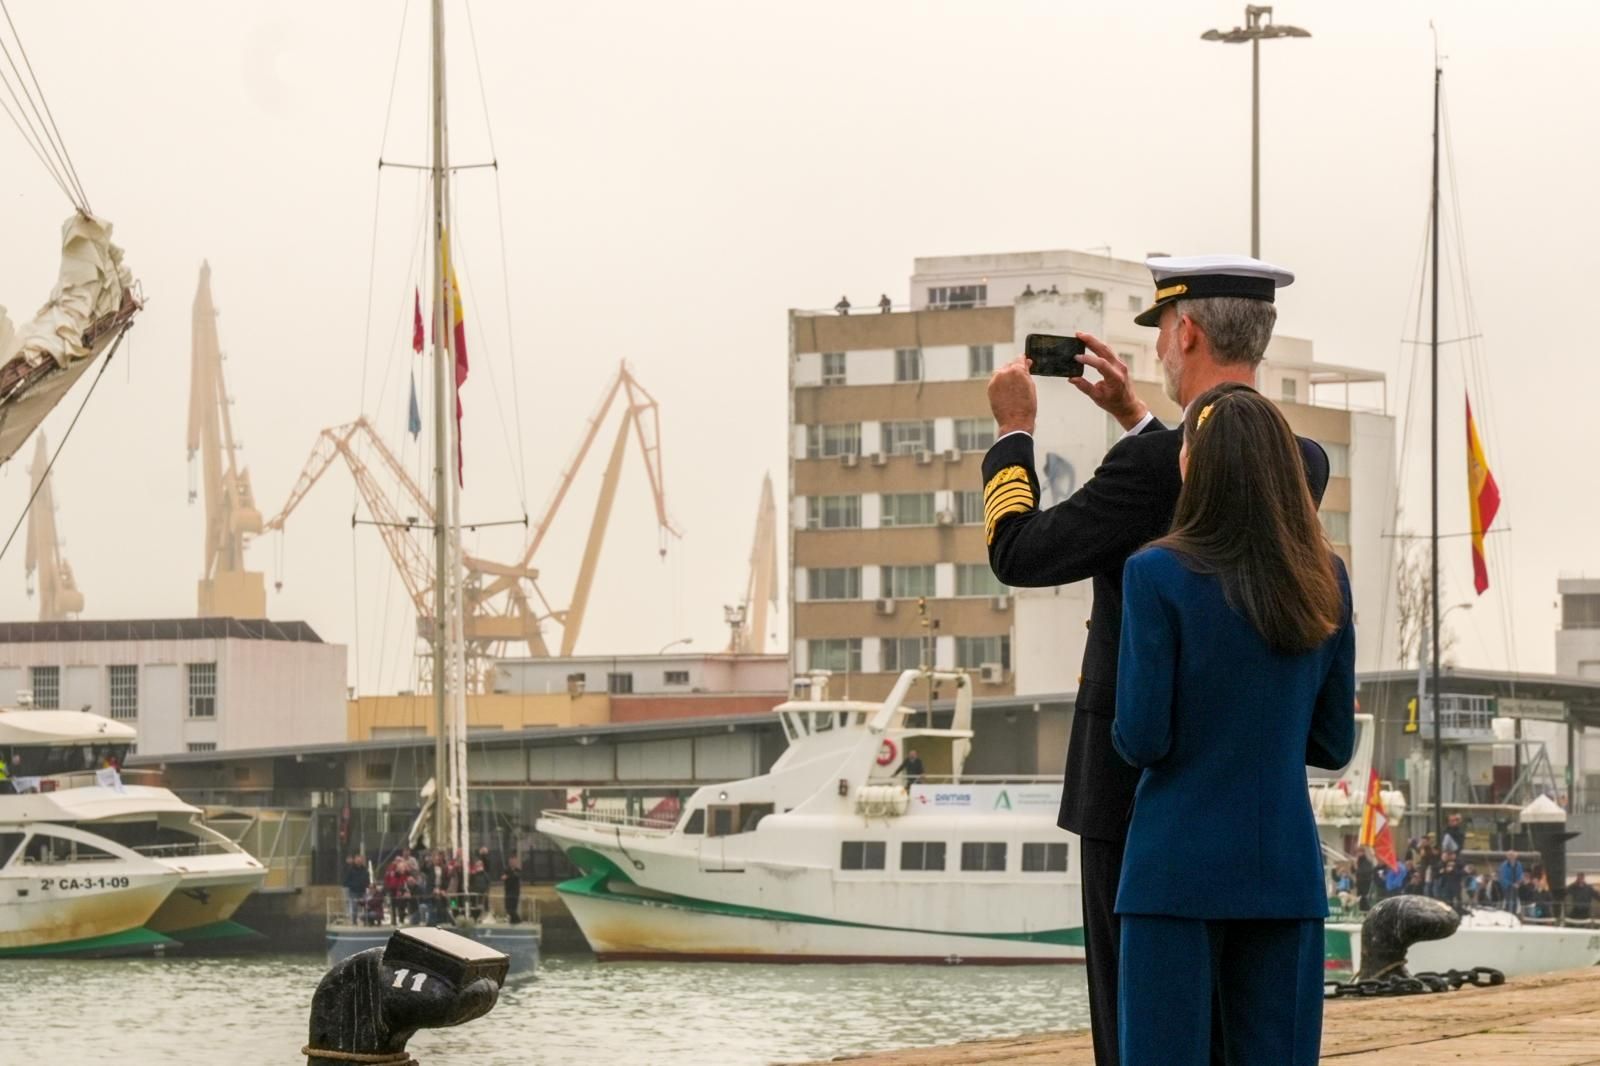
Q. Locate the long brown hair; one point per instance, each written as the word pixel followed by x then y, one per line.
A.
pixel 1246 515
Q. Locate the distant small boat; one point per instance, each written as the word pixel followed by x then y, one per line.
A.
pixel 91 864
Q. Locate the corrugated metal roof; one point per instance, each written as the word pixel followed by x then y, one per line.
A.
pixel 157 629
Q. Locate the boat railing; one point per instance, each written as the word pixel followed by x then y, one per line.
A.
pixel 172 851
pixel 989 779
pixel 450 909
pixel 91 778
pixel 600 817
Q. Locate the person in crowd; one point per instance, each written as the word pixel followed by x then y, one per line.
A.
pixel 477 889
pixel 1580 899
pixel 1237 635
pixel 7 786
pixel 356 880
pixel 843 306
pixel 1455 835
pixel 1448 884
pixel 512 879
pixel 885 305
pixel 1366 869
pixel 1027 290
pixel 1509 877
pixel 911 767
pixel 1214 317
pixel 374 904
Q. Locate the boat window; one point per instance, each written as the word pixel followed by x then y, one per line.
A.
pixel 42 850
pixel 983 856
pixel 861 855
pixel 788 725
pixel 824 721
pixel 1044 858
pixel 9 842
pixel 844 719
pixel 922 855
pixel 723 820
pixel 750 815
pixel 697 822
pixel 799 724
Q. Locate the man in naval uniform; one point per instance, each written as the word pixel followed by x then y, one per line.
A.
pixel 1215 316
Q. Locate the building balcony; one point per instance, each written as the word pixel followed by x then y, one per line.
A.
pixel 1462 718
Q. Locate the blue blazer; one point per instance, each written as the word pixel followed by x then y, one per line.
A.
pixel 1223 728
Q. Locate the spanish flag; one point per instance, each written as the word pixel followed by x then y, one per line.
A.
pixel 458 343
pixel 1375 825
pixel 1483 496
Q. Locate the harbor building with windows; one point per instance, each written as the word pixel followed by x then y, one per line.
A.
pixel 888 423
pixel 188 685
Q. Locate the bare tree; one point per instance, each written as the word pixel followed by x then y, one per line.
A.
pixel 1414 599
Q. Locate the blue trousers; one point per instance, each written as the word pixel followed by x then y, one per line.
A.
pixel 1268 976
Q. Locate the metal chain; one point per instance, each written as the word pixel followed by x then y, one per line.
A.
pixel 1414 984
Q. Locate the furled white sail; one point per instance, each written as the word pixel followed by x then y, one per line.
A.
pixel 91 304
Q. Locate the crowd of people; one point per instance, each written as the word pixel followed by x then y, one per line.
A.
pixel 1437 869
pixel 429 887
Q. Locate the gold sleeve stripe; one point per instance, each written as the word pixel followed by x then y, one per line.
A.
pixel 1005 497
pixel 1010 473
pixel 994 520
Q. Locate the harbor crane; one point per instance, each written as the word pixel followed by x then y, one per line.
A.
pixel 504 604
pixel 748 620
pixel 227 589
pixel 47 569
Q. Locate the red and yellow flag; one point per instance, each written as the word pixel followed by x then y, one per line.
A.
pixel 1375 826
pixel 1483 496
pixel 458 343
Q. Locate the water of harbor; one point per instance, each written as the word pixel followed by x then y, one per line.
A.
pixel 575 1012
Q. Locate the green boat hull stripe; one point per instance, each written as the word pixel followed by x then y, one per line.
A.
pixel 602 871
pixel 133 941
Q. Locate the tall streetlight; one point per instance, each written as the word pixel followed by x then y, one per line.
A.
pixel 1258 27
pixel 674 644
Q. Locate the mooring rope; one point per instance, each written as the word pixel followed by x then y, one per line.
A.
pixel 391 1058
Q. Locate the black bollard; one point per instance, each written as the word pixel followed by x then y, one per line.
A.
pixel 367 1007
pixel 1394 925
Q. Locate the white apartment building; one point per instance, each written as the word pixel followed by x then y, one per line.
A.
pixel 888 424
pixel 186 684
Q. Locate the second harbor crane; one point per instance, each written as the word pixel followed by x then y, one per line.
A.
pixel 504 602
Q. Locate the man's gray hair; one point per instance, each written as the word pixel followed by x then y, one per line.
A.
pixel 1238 328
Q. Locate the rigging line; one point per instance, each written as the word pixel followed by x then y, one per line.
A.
pixel 355 595
pixel 54 176
pixel 511 346
pixel 372 271
pixel 394 77
pixel 400 319
pixel 64 438
pixel 483 96
pixel 56 143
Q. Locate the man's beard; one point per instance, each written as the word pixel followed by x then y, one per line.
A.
pixel 1171 370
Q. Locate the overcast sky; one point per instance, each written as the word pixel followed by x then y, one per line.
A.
pixel 675 176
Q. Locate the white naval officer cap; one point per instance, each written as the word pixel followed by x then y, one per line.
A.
pixel 1196 277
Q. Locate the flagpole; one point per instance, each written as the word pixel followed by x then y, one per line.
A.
pixel 443 793
pixel 1438 637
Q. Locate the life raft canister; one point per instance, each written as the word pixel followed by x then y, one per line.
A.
pixel 886 752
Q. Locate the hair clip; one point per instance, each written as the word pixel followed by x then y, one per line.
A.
pixel 1205 413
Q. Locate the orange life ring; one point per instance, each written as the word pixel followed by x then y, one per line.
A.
pixel 886 752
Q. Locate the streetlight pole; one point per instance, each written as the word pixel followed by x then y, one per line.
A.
pixel 674 644
pixel 1258 27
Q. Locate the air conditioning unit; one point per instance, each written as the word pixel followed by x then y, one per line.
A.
pixel 992 674
pixel 946 517
pixel 952 455
pixel 885 607
pixel 879 459
pixel 924 457
pixel 849 459
pixel 1001 603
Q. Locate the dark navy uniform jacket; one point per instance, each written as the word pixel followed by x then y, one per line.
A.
pixel 1127 504
pixel 1223 728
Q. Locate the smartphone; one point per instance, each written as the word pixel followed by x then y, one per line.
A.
pixel 1050 356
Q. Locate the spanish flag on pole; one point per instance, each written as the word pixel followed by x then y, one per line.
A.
pixel 1483 497
pixel 458 342
pixel 1375 832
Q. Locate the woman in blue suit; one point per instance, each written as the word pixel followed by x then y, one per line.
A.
pixel 1237 669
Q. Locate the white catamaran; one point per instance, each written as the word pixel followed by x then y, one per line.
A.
pixel 830 856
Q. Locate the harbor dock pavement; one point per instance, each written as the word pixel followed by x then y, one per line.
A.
pixel 1545 1020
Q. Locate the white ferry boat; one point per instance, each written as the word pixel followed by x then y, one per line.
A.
pixel 831 857
pixel 91 863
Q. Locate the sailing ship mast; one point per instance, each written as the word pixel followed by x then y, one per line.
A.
pixel 1437 773
pixel 450 815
